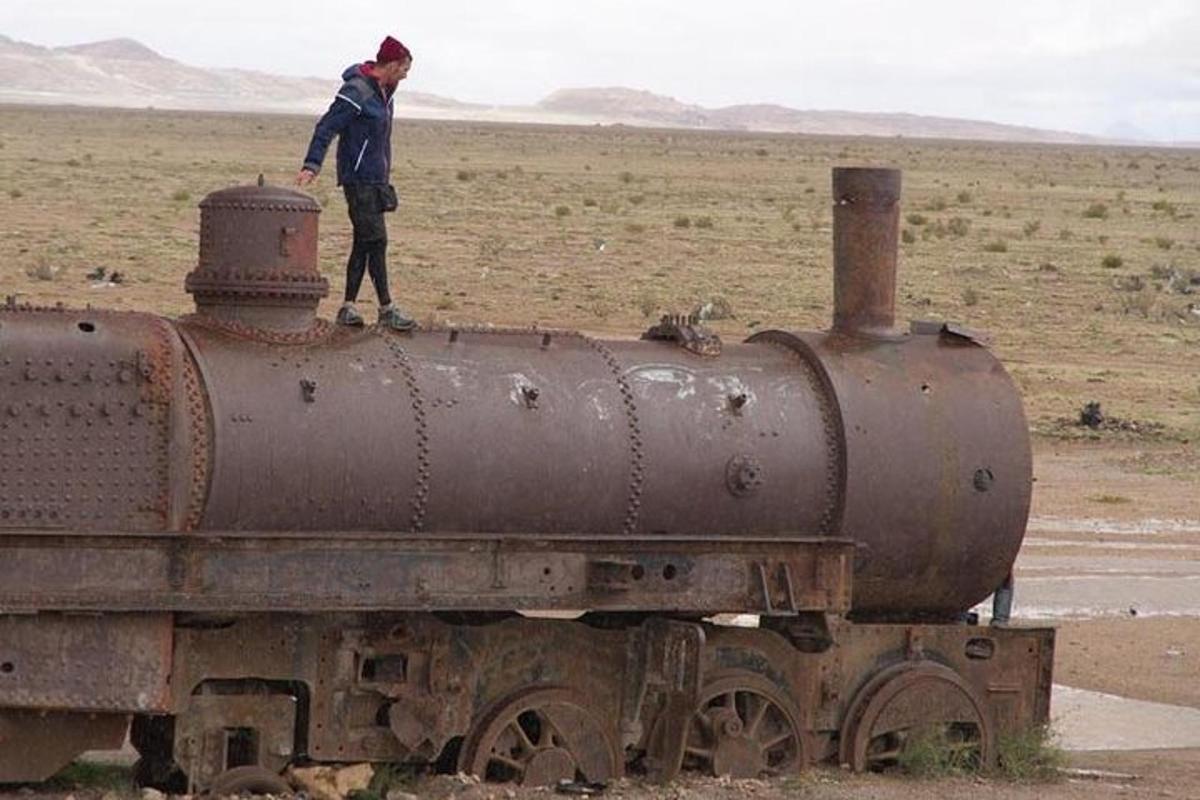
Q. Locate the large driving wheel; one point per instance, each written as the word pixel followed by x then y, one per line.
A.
pixel 745 727
pixel 915 700
pixel 539 737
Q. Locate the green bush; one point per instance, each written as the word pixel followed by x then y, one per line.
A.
pixel 996 246
pixel 1031 755
pixel 1112 261
pixel 1096 211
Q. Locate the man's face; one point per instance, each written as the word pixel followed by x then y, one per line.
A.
pixel 393 72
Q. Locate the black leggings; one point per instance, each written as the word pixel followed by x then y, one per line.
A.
pixel 369 252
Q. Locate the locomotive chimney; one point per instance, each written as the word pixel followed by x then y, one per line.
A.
pixel 258 259
pixel 866 231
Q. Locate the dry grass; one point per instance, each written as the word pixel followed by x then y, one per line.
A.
pixel 119 190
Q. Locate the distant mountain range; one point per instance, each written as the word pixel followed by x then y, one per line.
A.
pixel 126 73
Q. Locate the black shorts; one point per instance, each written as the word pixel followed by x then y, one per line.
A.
pixel 367 202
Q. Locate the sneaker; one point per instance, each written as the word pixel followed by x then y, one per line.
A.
pixel 348 315
pixel 392 317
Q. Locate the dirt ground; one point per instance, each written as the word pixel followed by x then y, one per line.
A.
pixel 603 229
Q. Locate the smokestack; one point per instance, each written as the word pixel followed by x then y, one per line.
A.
pixel 866 233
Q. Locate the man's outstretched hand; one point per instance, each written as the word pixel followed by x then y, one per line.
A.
pixel 305 177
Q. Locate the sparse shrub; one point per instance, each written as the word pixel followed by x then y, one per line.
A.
pixel 932 753
pixel 1031 228
pixel 1129 283
pixel 1140 303
pixel 1112 261
pixel 716 309
pixel 964 198
pixel 1165 207
pixel 1096 211
pixel 683 222
pixel 762 152
pixel 704 222
pixel 1164 242
pixel 996 246
pixel 647 303
pixel 491 248
pixel 1031 755
pixel 465 175
pixel 959 226
pixel 15 194
pixel 916 219
pixel 72 162
pixel 907 236
pixel 635 227
pixel 43 270
pixel 181 196
pixel 589 202
pixel 637 199
pixel 93 776
pixel 1161 272
pixel 502 175
pixel 937 204
pixel 626 177
pixel 562 211
pixel 445 304
pixel 1047 267
pixel 970 297
pixel 1066 235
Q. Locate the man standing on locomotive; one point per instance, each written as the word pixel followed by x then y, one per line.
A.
pixel 361 117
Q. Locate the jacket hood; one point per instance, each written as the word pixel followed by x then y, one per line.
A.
pixel 352 71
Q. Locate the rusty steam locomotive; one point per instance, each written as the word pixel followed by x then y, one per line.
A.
pixel 247 538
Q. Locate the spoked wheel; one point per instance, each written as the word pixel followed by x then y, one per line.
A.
pixel 540 737
pixel 248 780
pixel 915 702
pixel 745 727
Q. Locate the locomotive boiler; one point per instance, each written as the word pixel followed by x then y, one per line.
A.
pixel 249 539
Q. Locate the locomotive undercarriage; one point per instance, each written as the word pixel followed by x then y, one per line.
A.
pixel 227 699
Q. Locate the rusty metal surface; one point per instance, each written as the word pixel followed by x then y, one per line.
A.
pixel 34 745
pixel 88 426
pixel 866 237
pixel 910 700
pixel 461 427
pixel 236 571
pixel 218 732
pixel 938 420
pixel 258 258
pixel 118 662
pixel 542 736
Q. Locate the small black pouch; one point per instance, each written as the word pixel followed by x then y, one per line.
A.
pixel 388 200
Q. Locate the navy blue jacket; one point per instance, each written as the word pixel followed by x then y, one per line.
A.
pixel 361 117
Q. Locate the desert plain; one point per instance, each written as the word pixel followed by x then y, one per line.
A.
pixel 1080 263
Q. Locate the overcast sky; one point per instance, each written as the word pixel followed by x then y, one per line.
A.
pixel 1095 66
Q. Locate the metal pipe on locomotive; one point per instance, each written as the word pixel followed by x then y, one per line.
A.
pixel 252 539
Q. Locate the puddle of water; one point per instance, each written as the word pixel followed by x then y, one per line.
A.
pixel 1095 721
pixel 1087 525
pixel 1039 542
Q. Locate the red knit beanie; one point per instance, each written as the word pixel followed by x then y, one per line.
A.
pixel 392 50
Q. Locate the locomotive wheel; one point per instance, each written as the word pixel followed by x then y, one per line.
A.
pixel 248 780
pixel 745 727
pixel 539 737
pixel 910 701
